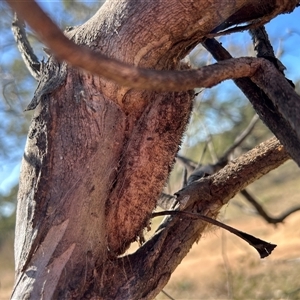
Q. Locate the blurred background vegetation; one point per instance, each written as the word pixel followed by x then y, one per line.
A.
pixel 220 115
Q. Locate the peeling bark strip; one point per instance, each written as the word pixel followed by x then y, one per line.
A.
pixel 98 153
pixel 155 142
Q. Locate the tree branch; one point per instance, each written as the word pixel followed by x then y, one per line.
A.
pixel 31 61
pixel 239 139
pixel 240 172
pixel 165 250
pixel 263 47
pixel 261 211
pixel 131 76
pixel 166 201
pixel 204 170
pixel 263 248
pixel 254 14
pixel 271 98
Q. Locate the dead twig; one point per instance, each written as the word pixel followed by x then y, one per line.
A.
pixel 239 139
pixel 264 49
pixel 166 294
pixel 263 248
pixel 188 163
pixel 262 212
pixel 30 59
pixel 204 170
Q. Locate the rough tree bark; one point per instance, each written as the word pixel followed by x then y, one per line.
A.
pixel 98 155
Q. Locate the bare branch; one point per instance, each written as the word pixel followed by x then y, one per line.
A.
pixel 275 101
pixel 263 248
pixel 261 211
pixel 188 163
pixel 211 169
pixel 245 168
pixel 204 170
pixel 31 61
pixel 169 296
pixel 263 47
pixel 251 26
pixel 259 15
pixel 131 76
pixel 239 139
pixel 165 250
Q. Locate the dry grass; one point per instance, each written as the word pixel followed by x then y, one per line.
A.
pixel 222 266
pixel 6 269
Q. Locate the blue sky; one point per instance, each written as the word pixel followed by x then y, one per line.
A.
pixel 286 29
pixel 283 31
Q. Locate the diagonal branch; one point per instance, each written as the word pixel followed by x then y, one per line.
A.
pixel 273 98
pixel 262 212
pixel 264 48
pixel 263 248
pixel 204 170
pixel 253 14
pixel 31 61
pixel 239 173
pixel 281 101
pixel 165 250
pixel 166 201
pixel 239 139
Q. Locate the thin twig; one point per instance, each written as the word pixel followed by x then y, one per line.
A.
pixel 188 163
pixel 236 29
pixel 227 266
pixel 30 59
pixel 210 169
pixel 169 296
pixel 240 138
pixel 261 211
pixel 263 248
pixel 184 177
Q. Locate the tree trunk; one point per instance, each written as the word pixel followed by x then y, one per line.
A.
pixel 98 155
